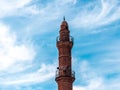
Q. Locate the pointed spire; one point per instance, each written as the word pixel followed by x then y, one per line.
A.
pixel 63 18
pixel 64 22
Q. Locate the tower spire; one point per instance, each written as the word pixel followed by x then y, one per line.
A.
pixel 63 18
pixel 64 74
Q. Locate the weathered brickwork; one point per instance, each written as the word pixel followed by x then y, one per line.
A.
pixel 64 74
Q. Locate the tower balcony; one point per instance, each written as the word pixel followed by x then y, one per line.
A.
pixel 71 74
pixel 71 39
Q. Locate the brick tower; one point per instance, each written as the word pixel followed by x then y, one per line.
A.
pixel 64 74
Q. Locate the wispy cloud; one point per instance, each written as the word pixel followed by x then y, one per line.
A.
pixel 90 79
pixel 16 8
pixel 43 74
pixel 17 58
pixel 103 12
pixel 24 62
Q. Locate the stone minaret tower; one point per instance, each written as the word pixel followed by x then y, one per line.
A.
pixel 64 74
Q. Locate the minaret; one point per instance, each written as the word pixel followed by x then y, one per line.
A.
pixel 64 74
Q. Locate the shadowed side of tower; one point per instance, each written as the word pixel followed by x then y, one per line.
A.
pixel 64 74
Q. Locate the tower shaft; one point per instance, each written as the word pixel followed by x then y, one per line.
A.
pixel 64 74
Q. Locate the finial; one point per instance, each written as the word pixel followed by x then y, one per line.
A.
pixel 63 18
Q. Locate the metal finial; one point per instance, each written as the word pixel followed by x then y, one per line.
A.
pixel 64 18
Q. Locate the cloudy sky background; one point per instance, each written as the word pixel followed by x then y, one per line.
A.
pixel 28 53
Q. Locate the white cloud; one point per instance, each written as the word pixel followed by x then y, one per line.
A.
pixel 78 88
pixel 66 2
pixel 10 51
pixel 17 7
pixel 16 60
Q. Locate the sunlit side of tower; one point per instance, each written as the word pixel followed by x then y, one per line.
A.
pixel 64 74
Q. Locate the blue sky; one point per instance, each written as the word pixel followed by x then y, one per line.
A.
pixel 28 53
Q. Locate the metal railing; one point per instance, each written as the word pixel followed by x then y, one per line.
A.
pixel 71 39
pixel 58 74
pixel 73 74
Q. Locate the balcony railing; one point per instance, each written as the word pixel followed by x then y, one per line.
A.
pixel 71 39
pixel 72 74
